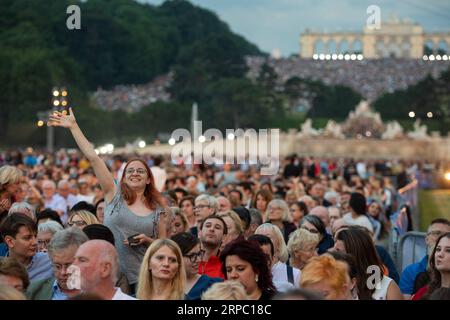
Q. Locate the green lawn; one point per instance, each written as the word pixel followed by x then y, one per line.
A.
pixel 433 204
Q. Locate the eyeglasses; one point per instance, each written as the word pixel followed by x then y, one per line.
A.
pixel 193 257
pixel 77 223
pixel 138 171
pixel 43 243
pixel 310 230
pixel 59 267
pixel 201 206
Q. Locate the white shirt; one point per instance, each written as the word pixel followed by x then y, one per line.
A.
pixel 283 286
pixel 359 221
pixel 57 203
pixel 70 201
pixel 380 292
pixel 160 176
pixel 279 273
pixel 361 169
pixel 87 198
pixel 119 295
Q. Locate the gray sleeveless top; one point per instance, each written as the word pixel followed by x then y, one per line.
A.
pixel 123 224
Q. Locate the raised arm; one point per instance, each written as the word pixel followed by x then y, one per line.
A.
pixel 104 177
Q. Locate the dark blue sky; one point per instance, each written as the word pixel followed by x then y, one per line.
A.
pixel 274 24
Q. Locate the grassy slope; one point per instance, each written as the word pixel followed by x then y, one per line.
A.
pixel 433 204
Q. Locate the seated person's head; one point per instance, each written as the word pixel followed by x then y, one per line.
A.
pixel 19 233
pixel 228 290
pixel 46 215
pixel 13 274
pixel 328 277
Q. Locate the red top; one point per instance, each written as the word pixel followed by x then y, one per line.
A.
pixel 420 293
pixel 212 268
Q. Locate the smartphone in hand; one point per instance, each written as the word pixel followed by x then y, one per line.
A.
pixel 131 239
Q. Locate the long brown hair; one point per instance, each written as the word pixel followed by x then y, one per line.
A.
pixel 153 197
pixel 436 278
pixel 267 195
pixel 359 244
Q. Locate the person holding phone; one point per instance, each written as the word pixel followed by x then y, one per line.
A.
pixel 134 211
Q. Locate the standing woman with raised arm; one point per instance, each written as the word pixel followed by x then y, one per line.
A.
pixel 134 209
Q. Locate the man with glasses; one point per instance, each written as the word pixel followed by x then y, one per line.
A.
pixel 205 206
pixel 61 249
pixel 196 284
pixel 437 228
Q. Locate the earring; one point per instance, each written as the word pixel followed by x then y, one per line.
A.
pixel 256 278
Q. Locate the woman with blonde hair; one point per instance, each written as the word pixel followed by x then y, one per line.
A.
pixel 277 213
pixel 9 185
pixel 228 290
pixel 81 219
pixel 162 275
pixel 179 222
pixel 280 271
pixel 234 227
pixel 302 246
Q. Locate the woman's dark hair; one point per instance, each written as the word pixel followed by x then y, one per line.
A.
pixel 245 216
pixel 253 254
pixel 48 214
pixel 100 232
pixel 267 195
pixel 83 205
pixel 262 240
pixel 316 222
pixel 186 241
pixel 440 294
pixel 302 206
pixel 98 203
pixel 436 279
pixel 347 258
pixel 153 198
pixel 359 244
pixel 422 279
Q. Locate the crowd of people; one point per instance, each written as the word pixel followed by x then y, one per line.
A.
pixel 133 97
pixel 370 77
pixel 75 225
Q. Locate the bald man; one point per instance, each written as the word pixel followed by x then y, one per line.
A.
pixel 98 265
pixel 322 213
